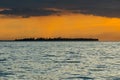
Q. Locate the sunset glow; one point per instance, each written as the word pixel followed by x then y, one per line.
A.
pixel 75 25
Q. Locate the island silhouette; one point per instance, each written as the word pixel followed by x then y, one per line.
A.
pixel 57 39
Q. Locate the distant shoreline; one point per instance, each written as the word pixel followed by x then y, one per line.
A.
pixel 51 40
pixel 57 39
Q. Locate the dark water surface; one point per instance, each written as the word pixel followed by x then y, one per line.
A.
pixel 59 61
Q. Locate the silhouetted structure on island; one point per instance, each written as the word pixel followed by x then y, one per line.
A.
pixel 57 39
pixel 26 39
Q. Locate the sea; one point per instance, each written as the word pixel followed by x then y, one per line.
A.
pixel 60 60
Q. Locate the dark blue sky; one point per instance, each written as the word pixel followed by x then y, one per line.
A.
pixel 107 8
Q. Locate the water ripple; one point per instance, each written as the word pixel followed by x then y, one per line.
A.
pixel 59 61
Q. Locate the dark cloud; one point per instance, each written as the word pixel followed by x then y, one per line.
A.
pixel 27 12
pixel 108 8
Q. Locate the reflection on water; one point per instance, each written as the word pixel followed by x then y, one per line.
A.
pixel 59 61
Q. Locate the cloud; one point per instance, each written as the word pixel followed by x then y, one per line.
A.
pixel 107 8
pixel 27 12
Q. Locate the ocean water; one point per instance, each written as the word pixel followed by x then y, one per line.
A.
pixel 59 60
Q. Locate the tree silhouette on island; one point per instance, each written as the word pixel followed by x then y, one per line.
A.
pixel 57 39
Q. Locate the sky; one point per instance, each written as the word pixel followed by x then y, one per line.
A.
pixel 60 18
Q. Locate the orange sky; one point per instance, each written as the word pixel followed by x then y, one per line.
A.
pixel 73 25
